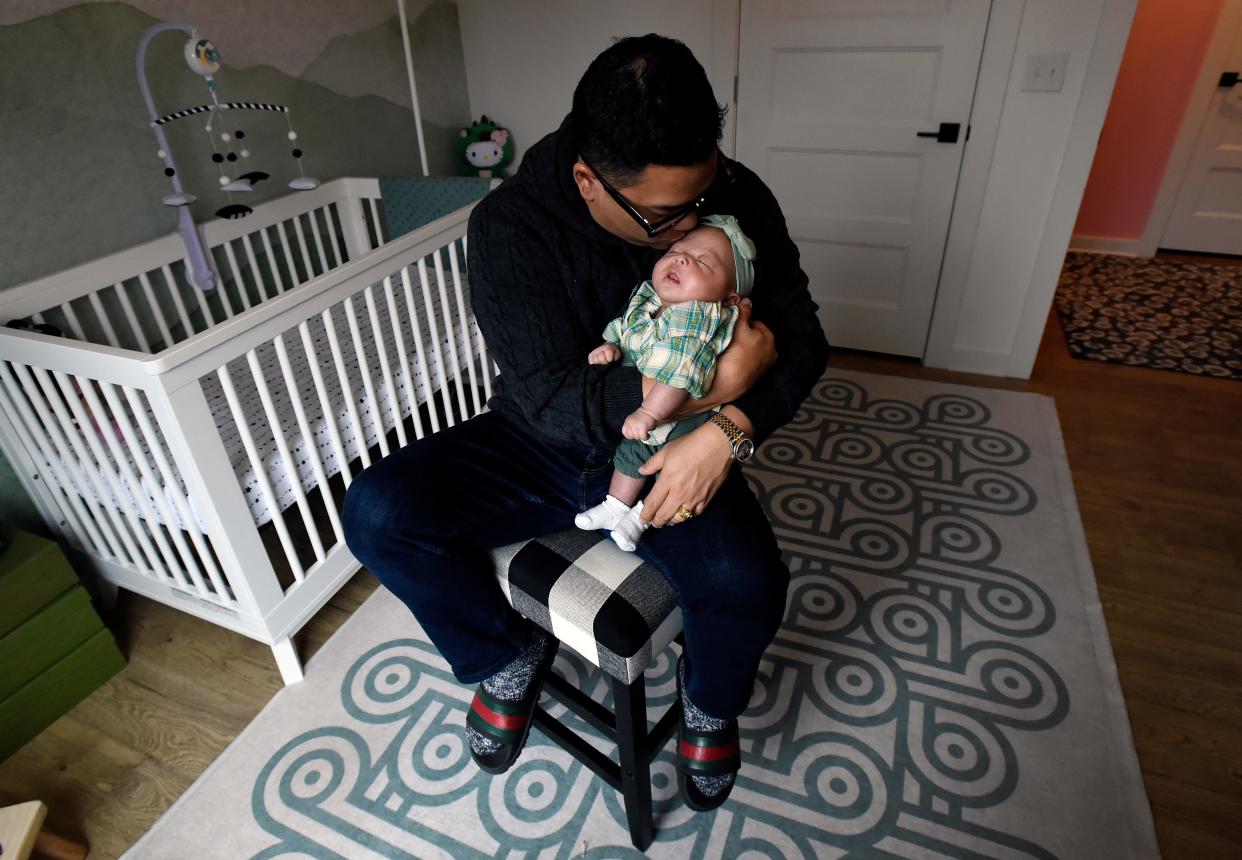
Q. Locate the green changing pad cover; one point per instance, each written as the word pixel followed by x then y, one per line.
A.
pixel 412 201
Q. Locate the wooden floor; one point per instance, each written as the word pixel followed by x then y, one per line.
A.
pixel 1157 462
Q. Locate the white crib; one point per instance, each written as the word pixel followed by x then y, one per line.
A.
pixel 194 447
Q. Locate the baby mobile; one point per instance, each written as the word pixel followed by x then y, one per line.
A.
pixel 230 148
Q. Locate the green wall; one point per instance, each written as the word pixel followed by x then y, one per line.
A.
pixel 78 165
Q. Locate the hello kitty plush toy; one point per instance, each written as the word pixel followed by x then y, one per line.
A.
pixel 485 148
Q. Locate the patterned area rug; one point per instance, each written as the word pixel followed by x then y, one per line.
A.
pixel 1157 313
pixel 943 685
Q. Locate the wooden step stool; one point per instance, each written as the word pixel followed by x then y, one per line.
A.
pixel 21 832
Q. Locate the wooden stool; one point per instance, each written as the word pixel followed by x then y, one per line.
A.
pixel 21 832
pixel 618 613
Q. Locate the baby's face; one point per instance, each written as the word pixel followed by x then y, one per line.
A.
pixel 697 267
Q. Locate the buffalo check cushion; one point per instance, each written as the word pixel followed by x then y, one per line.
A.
pixel 610 606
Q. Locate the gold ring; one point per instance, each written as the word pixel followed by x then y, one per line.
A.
pixel 684 512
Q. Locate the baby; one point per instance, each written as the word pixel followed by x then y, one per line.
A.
pixel 673 329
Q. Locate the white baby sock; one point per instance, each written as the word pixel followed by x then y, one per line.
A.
pixel 605 515
pixel 629 530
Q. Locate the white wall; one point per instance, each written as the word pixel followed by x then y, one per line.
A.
pixel 1023 175
pixel 523 59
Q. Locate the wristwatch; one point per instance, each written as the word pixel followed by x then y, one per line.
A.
pixel 743 446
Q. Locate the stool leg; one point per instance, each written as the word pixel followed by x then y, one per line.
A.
pixel 58 847
pixel 633 755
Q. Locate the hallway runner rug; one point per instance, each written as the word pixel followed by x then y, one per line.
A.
pixel 1161 313
pixel 942 686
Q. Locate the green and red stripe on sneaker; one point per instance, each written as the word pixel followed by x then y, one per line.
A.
pixel 706 753
pixel 502 720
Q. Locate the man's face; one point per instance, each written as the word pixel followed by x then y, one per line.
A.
pixel 658 191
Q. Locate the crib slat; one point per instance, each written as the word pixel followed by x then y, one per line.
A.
pixel 324 265
pixel 104 321
pixel 168 479
pixel 381 349
pixel 96 500
pixel 72 318
pixel 351 404
pixel 289 260
pixel 462 317
pixel 156 311
pixel 420 354
pixel 375 219
pixel 161 513
pixel 301 237
pixel 447 312
pixel 489 371
pixel 123 513
pixel 311 444
pixel 260 285
pixel 221 292
pixel 282 447
pixel 275 263
pixel 331 225
pixel 436 353
pixel 174 290
pixel 35 439
pixel 368 386
pixel 242 290
pixel 325 403
pixel 411 393
pixel 131 317
pixel 209 318
pixel 260 472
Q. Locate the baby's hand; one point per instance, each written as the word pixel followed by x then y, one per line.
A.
pixel 638 425
pixel 605 353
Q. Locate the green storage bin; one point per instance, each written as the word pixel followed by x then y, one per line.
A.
pixel 70 680
pixel 44 638
pixel 33 573
pixel 54 650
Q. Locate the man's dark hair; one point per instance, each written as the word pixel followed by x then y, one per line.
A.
pixel 645 100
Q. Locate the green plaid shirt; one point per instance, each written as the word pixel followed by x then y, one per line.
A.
pixel 680 346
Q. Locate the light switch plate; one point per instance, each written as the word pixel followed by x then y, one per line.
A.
pixel 1045 73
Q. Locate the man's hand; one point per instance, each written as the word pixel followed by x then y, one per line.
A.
pixel 749 355
pixel 692 468
pixel 605 353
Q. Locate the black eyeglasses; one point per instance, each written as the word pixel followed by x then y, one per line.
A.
pixel 724 177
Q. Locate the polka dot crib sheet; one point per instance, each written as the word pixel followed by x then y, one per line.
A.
pixel 357 413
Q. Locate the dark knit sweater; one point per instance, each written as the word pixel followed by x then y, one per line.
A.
pixel 545 280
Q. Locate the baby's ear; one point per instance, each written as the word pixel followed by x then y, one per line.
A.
pixel 733 300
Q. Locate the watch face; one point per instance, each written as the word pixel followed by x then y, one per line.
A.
pixel 745 450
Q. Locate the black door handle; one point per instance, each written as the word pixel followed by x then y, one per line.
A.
pixel 1229 79
pixel 947 133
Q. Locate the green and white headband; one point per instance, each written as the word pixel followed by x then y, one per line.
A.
pixel 743 249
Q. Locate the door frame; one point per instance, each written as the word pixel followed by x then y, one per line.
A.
pixel 1000 44
pixel 999 64
pixel 1228 25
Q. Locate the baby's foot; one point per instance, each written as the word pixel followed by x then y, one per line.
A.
pixel 605 515
pixel 629 530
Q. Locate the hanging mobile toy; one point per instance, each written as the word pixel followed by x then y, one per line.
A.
pixel 203 59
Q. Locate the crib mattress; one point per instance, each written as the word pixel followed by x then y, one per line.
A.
pixel 375 416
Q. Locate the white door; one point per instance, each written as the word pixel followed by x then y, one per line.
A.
pixel 1207 213
pixel 834 100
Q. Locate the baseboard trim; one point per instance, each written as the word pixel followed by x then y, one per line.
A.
pixel 984 362
pixel 1110 245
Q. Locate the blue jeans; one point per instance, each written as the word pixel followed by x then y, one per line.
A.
pixel 424 518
